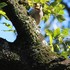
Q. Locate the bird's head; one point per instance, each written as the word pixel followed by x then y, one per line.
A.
pixel 37 6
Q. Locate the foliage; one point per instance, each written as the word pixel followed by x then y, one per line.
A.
pixel 55 8
pixel 3 4
pixel 58 41
pixel 6 26
pixel 2 13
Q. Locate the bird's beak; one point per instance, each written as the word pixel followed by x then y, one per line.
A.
pixel 37 7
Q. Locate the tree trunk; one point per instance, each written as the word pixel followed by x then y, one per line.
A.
pixel 29 51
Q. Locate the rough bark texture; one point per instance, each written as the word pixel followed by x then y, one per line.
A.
pixel 28 52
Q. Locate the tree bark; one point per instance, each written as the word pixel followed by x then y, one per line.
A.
pixel 29 48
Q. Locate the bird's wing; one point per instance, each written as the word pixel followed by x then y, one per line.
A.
pixel 31 12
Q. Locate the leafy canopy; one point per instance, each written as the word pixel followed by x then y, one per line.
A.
pixel 58 41
pixel 55 8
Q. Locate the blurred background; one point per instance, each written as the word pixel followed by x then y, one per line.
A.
pixel 53 23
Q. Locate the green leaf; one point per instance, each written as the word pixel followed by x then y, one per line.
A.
pixel 60 18
pixel 51 39
pixel 68 49
pixel 36 1
pixel 48 32
pixel 3 4
pixel 60 39
pixel 58 0
pixel 65 31
pixel 52 48
pixel 64 54
pixel 61 12
pixel 56 48
pixel 8 25
pixel 53 4
pixel 46 17
pixel 30 2
pixel 61 6
pixel 43 1
pixel 10 30
pixel 56 32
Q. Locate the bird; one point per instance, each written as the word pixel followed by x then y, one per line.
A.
pixel 36 12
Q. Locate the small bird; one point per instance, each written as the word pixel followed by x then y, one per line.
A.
pixel 36 12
